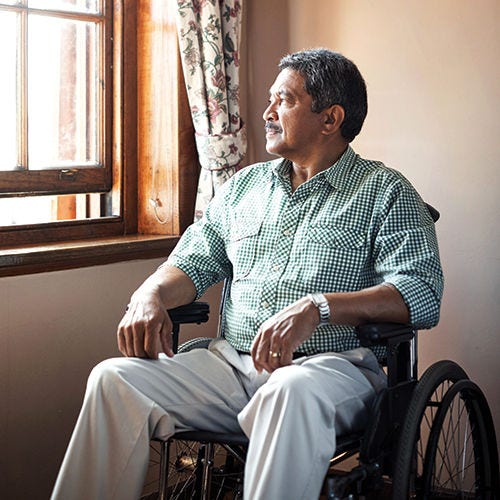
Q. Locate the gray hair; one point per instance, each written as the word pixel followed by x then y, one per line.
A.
pixel 330 78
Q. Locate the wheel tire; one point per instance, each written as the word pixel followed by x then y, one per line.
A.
pixel 410 454
pixel 197 343
pixel 461 459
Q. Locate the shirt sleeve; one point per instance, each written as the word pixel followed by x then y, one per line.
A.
pixel 406 253
pixel 201 251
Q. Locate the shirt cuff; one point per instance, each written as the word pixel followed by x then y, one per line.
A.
pixel 422 302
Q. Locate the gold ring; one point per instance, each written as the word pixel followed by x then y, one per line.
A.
pixel 275 354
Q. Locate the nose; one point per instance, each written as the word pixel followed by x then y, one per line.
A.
pixel 270 113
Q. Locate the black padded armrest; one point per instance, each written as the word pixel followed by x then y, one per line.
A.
pixel 196 312
pixel 379 333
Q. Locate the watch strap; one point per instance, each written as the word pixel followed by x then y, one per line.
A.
pixel 319 300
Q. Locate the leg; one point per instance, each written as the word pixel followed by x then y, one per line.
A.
pixel 292 422
pixel 129 400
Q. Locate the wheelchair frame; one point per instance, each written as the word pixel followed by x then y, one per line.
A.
pixel 394 449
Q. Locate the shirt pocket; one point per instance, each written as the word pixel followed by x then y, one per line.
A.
pixel 336 237
pixel 337 258
pixel 242 247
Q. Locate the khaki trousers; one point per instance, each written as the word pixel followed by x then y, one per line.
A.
pixel 291 417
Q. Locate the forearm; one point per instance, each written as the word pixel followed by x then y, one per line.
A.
pixel 170 285
pixel 283 333
pixel 377 304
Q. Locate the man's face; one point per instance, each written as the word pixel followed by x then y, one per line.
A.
pixel 292 129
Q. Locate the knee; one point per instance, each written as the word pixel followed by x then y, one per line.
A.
pixel 294 388
pixel 289 384
pixel 106 374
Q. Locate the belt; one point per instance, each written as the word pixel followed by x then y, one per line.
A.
pixel 295 355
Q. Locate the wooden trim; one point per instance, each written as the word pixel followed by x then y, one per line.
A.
pixel 188 161
pixel 166 146
pixel 55 181
pixel 75 254
pixel 125 130
pixel 36 234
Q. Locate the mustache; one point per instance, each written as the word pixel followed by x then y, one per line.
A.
pixel 273 126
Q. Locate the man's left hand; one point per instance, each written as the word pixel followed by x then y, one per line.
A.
pixel 281 334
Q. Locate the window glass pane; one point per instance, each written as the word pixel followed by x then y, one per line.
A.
pixel 8 96
pixel 15 211
pixel 63 95
pixel 90 6
pixel 43 209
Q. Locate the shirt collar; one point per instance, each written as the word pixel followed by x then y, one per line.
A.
pixel 336 175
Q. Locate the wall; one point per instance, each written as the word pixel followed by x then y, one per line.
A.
pixel 432 74
pixel 54 328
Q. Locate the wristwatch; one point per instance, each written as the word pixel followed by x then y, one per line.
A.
pixel 319 300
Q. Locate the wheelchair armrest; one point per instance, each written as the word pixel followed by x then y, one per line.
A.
pixel 196 312
pixel 372 334
pixel 397 339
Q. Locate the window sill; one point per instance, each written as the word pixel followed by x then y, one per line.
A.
pixel 74 254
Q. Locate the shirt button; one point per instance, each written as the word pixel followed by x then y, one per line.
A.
pixel 287 232
pixel 265 304
pixel 276 267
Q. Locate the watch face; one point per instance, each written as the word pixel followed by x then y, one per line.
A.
pixel 319 300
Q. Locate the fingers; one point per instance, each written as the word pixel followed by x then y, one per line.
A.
pixel 270 350
pixel 166 340
pixel 280 335
pixel 145 335
pixel 260 351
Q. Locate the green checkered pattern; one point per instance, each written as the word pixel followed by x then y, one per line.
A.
pixel 352 226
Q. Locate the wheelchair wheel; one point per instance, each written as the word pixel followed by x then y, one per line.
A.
pixel 444 449
pixel 182 467
pixel 184 475
pixel 460 457
pixel 184 478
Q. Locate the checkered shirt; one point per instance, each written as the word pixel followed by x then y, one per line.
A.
pixel 352 226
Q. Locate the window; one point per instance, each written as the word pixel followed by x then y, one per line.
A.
pixel 56 91
pixel 85 144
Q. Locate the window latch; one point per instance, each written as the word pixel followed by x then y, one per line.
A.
pixel 68 174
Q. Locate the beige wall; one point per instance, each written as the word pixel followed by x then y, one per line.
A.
pixel 432 73
pixel 433 76
pixel 54 328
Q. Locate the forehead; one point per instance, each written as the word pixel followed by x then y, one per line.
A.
pixel 289 81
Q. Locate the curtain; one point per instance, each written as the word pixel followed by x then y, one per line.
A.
pixel 209 38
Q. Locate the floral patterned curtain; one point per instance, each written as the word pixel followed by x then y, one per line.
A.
pixel 209 39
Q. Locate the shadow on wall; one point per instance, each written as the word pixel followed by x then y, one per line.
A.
pixel 265 41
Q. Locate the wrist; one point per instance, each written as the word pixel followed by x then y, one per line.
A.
pixel 323 307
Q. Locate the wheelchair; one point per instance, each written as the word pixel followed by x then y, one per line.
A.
pixel 428 438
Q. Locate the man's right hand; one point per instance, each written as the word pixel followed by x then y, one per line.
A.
pixel 146 329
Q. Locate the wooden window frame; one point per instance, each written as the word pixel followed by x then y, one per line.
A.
pixel 77 178
pixel 153 157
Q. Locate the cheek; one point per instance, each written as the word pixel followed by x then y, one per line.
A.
pixel 288 125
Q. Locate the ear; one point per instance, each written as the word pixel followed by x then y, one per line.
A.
pixel 333 117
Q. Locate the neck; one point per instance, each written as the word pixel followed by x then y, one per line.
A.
pixel 302 171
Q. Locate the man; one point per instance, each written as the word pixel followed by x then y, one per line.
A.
pixel 315 242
